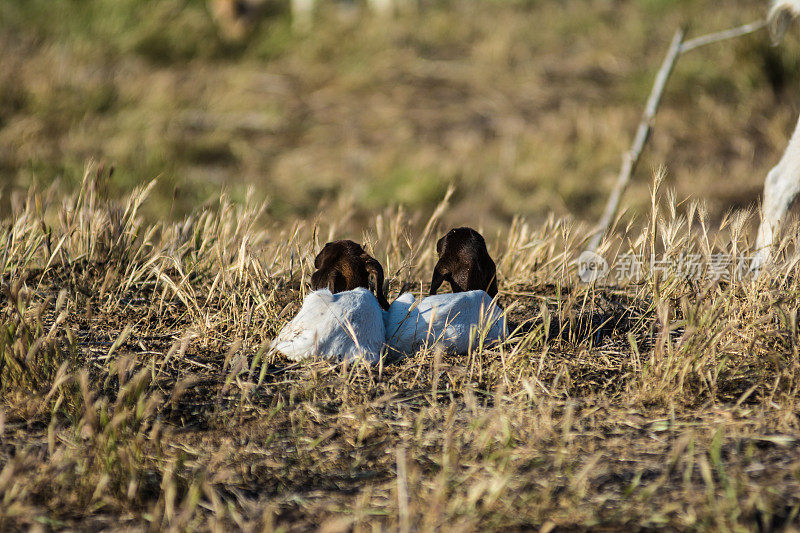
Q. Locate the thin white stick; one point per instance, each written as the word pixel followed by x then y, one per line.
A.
pixel 631 157
pixel 722 35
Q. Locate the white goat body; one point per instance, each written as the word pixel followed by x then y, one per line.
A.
pixel 453 321
pixel 347 325
pixel 780 189
pixel 783 182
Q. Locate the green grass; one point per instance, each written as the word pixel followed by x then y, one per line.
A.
pixel 380 112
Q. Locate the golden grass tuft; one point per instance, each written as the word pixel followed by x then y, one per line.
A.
pixel 138 391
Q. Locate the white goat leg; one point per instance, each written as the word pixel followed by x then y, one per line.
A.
pixel 780 189
pixel 383 8
pixel 783 181
pixel 302 14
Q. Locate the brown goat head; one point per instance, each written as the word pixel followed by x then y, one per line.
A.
pixel 343 266
pixel 464 262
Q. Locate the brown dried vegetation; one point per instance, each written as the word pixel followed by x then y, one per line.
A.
pixel 137 389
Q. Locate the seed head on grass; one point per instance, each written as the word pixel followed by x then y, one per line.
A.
pixel 153 401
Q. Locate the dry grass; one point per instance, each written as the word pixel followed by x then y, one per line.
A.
pixel 137 390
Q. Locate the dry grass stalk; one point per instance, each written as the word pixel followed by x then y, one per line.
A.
pixel 138 392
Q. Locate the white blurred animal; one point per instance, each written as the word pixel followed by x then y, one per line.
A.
pixel 783 181
pixel 236 18
pixel 454 321
pixel 303 11
pixel 347 326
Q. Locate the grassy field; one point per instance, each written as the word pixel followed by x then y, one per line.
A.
pixel 136 387
pixel 362 113
pixel 138 391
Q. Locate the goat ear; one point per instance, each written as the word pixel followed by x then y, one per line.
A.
pixel 437 280
pixel 332 283
pixel 375 276
pixel 492 289
pixel 372 282
pixel 318 258
pixel 439 246
pixel 316 280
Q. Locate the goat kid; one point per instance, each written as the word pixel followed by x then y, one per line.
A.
pixel 346 326
pixel 344 266
pixel 464 262
pixel 454 322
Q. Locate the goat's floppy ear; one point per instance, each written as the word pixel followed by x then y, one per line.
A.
pixel 492 289
pixel 375 271
pixel 318 259
pixel 438 278
pixel 332 282
pixel 316 280
pixel 440 245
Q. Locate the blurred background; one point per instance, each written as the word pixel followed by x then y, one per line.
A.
pixel 525 106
